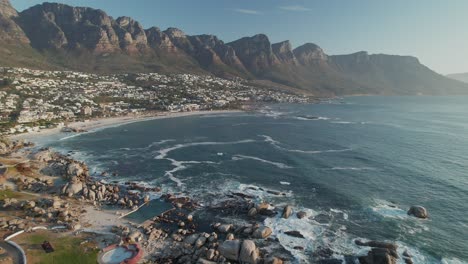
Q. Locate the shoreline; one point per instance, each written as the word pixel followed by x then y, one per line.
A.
pixel 105 122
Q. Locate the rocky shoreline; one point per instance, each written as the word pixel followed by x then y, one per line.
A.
pixel 186 233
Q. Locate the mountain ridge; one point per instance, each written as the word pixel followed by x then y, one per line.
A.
pixel 462 77
pixel 81 38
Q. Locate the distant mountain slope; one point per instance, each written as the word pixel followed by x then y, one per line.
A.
pixel 60 36
pixel 462 77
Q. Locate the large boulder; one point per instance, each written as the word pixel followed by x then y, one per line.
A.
pixel 381 252
pixel 378 256
pixel 262 232
pixel 77 169
pixel 224 228
pixel 92 195
pixel 74 188
pixel 287 212
pixel 301 214
pixel 230 249
pixel 249 252
pixel 418 211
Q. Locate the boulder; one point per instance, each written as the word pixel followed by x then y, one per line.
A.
pixel 252 212
pixel 262 232
pixel 249 252
pixel 301 214
pixel 378 256
pixel 74 226
pixel 287 212
pixel 76 169
pixel 74 188
pixel 224 228
pixel 418 211
pixel 190 218
pixel 210 254
pixel 230 249
pixel 191 239
pixel 92 195
pixel 200 242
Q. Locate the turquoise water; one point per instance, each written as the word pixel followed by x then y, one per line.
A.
pixel 357 168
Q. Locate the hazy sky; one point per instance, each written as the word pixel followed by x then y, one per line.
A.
pixel 435 31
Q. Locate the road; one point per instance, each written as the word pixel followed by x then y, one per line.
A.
pixel 13 252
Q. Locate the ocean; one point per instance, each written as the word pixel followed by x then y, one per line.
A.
pixel 355 164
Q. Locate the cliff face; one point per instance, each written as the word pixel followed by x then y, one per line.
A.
pixel 10 31
pixel 310 53
pixel 86 39
pixel 283 51
pixel 255 53
pixel 57 26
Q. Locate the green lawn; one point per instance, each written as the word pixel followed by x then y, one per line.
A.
pixel 67 249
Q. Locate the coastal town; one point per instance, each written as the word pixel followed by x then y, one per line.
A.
pixel 31 100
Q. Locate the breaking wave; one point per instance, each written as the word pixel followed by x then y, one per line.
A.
pixel 278 144
pixel 277 164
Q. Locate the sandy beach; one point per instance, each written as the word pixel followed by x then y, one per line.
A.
pixel 93 124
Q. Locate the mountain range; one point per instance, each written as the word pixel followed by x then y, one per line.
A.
pixel 58 36
pixel 463 77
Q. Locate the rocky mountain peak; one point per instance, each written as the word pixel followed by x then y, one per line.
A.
pixel 131 34
pixel 309 53
pixel 175 33
pixel 284 52
pixel 159 40
pixel 69 27
pixel 255 52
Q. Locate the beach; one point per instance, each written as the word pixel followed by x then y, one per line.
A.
pixel 98 123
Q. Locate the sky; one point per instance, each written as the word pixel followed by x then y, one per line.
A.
pixel 435 31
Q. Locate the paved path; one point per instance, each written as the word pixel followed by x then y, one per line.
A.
pixel 13 252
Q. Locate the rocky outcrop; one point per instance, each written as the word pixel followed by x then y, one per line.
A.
pixel 160 40
pixel 249 252
pixel 380 253
pixel 230 249
pixel 132 36
pixel 8 146
pixel 180 40
pixel 418 211
pixel 262 232
pixel 284 52
pixel 287 211
pixel 255 53
pixel 309 53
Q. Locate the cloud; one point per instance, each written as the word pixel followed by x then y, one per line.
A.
pixel 247 11
pixel 296 8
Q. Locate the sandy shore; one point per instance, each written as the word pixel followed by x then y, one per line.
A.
pixel 93 124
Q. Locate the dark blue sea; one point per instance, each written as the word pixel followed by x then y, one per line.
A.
pixel 355 165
